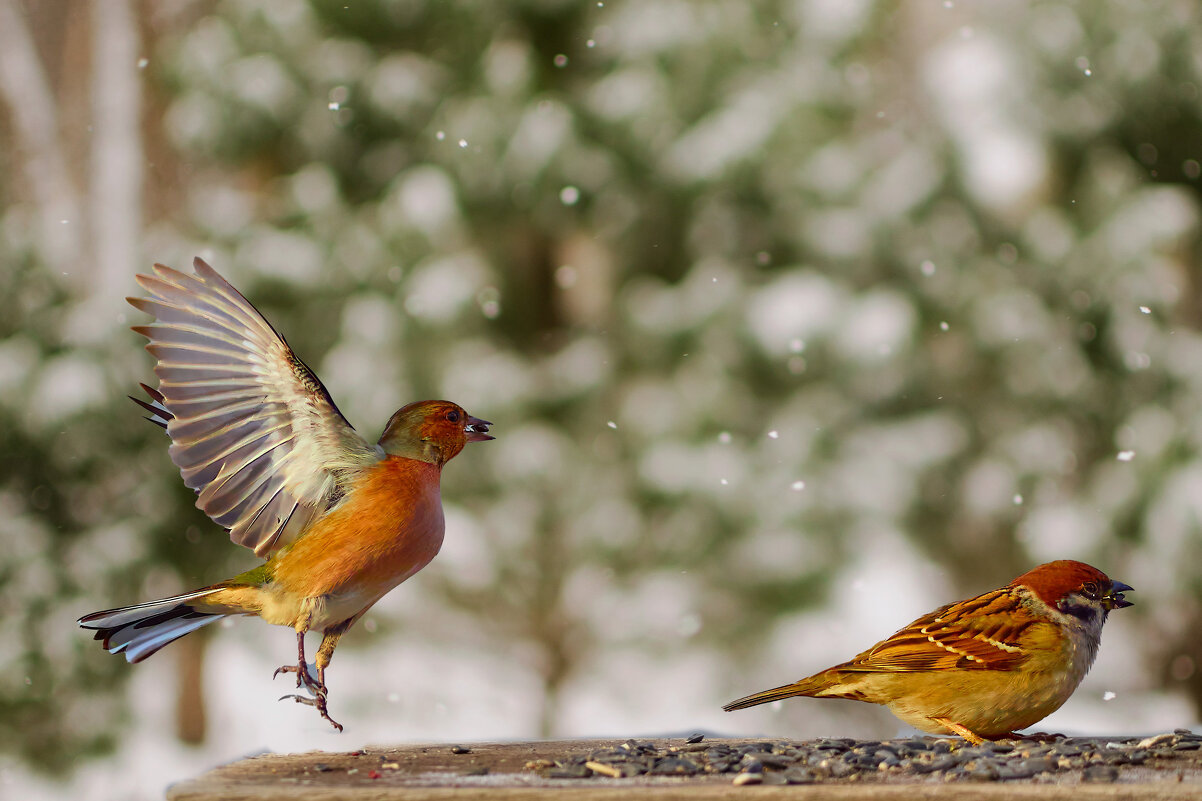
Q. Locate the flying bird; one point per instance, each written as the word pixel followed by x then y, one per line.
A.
pixel 981 668
pixel 339 521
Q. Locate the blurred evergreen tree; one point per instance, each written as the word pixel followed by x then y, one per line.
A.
pixel 762 297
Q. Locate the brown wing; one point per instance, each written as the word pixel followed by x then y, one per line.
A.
pixel 984 633
pixel 252 429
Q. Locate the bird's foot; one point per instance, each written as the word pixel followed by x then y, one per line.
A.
pixel 303 677
pixel 963 731
pixel 1037 736
pixel 318 702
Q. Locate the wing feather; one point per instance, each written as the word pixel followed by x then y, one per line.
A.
pixel 985 633
pixel 253 430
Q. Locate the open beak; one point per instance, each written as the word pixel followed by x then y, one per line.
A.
pixel 477 430
pixel 1114 599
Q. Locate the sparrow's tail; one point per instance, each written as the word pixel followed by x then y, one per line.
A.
pixel 812 686
pixel 138 631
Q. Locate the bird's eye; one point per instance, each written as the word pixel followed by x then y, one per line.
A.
pixel 453 416
pixel 1090 589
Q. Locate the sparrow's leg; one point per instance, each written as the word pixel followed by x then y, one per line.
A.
pixel 971 736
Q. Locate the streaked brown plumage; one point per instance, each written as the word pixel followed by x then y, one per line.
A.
pixel 984 667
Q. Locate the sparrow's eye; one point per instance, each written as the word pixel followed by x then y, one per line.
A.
pixel 453 416
pixel 1090 589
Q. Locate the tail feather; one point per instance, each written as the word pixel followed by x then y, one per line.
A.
pixel 138 631
pixel 812 686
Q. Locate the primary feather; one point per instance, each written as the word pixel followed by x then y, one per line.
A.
pixel 253 430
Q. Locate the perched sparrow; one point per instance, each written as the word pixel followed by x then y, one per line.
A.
pixel 340 522
pixel 984 667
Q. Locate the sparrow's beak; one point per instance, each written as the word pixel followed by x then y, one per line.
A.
pixel 1114 599
pixel 477 430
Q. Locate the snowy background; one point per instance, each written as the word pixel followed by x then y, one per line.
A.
pixel 796 319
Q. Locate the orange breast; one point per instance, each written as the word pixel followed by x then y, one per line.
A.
pixel 388 527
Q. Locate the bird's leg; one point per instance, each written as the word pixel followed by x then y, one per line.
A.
pixel 325 652
pixel 967 734
pixel 301 668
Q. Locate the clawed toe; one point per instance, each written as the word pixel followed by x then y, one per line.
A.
pixel 288 669
pixel 318 703
pixel 303 677
pixel 316 686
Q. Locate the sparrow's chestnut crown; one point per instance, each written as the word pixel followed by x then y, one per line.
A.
pixel 1055 581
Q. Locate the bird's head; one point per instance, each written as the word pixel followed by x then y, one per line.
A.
pixel 432 431
pixel 1076 589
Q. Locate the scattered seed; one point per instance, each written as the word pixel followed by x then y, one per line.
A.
pixel 603 769
pixel 675 766
pixel 570 772
pixel 845 760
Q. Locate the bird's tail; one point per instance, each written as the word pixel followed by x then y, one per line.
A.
pixel 140 630
pixel 813 686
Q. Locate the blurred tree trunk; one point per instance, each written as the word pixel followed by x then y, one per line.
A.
pixel 189 697
pixel 34 110
pixel 116 171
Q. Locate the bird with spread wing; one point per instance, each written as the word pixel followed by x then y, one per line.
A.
pixel 256 435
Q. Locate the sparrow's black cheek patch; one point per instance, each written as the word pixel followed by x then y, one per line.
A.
pixel 1086 613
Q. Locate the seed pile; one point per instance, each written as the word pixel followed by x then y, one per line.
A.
pixel 813 761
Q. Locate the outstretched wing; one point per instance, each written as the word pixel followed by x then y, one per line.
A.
pixel 988 632
pixel 252 429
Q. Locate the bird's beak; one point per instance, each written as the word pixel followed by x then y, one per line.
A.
pixel 1114 599
pixel 477 430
